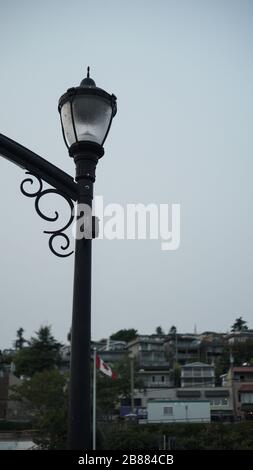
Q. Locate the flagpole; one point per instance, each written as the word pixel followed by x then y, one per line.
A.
pixel 94 398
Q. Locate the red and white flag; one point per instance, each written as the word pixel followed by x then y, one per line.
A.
pixel 103 367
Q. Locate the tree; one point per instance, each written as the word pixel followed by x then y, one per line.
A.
pixel 176 375
pixel 124 335
pixel 43 352
pixel 239 325
pixel 20 341
pixel 6 356
pixel 46 395
pixel 173 330
pixel 129 437
pixel 186 436
pixel 109 392
pixel 241 352
pixel 159 330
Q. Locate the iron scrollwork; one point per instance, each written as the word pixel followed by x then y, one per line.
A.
pixel 38 194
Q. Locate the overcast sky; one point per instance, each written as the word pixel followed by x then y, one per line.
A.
pixel 182 72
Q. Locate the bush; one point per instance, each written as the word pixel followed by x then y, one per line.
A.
pixel 14 425
pixel 208 436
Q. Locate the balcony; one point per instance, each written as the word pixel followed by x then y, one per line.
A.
pixel 156 384
pixel 153 365
pixel 196 374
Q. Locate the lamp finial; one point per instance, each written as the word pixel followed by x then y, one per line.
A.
pixel 87 82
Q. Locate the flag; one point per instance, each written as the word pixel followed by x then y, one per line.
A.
pixel 103 367
pixel 99 364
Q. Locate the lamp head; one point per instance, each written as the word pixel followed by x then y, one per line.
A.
pixel 86 113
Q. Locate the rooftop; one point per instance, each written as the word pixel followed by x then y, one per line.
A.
pixel 243 369
pixel 246 388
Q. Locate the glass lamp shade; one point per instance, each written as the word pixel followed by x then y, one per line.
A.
pixel 86 113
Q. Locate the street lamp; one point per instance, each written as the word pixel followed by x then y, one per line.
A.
pixel 86 116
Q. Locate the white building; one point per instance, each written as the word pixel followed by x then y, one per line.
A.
pixel 197 374
pixel 171 411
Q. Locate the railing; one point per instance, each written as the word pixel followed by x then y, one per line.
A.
pixel 149 363
pixel 157 384
pixel 20 434
pixel 195 374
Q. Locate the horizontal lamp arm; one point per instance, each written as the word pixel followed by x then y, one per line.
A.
pixel 37 165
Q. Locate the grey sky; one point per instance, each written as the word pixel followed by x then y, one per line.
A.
pixel 182 72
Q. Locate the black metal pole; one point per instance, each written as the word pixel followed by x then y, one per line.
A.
pixel 86 156
pixel 79 415
pixel 37 165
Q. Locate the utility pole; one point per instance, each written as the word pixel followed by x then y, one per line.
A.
pixel 131 357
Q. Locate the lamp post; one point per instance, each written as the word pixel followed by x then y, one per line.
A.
pixel 86 115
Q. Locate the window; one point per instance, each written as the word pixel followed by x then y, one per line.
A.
pixel 158 356
pixel 137 402
pixel 162 378
pixel 219 401
pixel 197 372
pixel 153 378
pixel 125 402
pixel 246 397
pixel 186 373
pixel 168 411
pixel 187 380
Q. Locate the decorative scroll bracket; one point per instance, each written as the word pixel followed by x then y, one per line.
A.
pixel 38 194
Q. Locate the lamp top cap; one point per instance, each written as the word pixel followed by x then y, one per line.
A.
pixel 88 82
